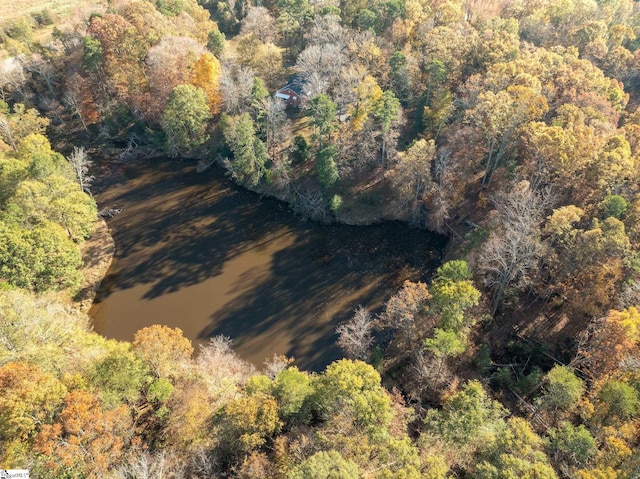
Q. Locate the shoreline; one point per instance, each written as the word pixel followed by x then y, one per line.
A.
pixel 97 255
pixel 99 250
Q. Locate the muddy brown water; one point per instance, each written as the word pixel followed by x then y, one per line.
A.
pixel 196 252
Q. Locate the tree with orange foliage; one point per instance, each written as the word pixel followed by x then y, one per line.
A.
pixel 86 439
pixel 607 342
pixel 122 51
pixel 29 397
pixel 80 100
pixel 168 64
pixel 405 310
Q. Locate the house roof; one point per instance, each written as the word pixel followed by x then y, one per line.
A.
pixel 295 88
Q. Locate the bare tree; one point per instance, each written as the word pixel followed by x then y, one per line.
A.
pixel 350 77
pixel 12 79
pixel 259 22
pixel 147 465
pixel 430 373
pixel 276 365
pixel 311 204
pixel 411 177
pixel 236 83
pixel 276 124
pixel 222 370
pixel 321 66
pixel 6 133
pixel 440 202
pixel 73 97
pixel 41 66
pixel 80 162
pixel 512 253
pixel 326 29
pixel 404 313
pixel 355 337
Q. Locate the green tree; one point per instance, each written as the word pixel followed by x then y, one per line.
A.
pixel 249 152
pixel 518 452
pixel 12 172
pixel 92 53
pixel 444 344
pixel 42 161
pixel 618 401
pixel 614 205
pixel 246 422
pixel 325 465
pixel 354 388
pixel 453 293
pixel 300 151
pixel 216 41
pixel 322 111
pixel 613 164
pixel 573 445
pixel 38 258
pixel 335 203
pixel 36 330
pixel 292 389
pixel 185 119
pixel 562 390
pixel 467 418
pixel 326 168
pixel 385 111
pixel 120 376
pixel 55 199
pixel 300 10
pixel 400 78
pixel 20 123
pixel 259 94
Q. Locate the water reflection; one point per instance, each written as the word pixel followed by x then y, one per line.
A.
pixel 196 252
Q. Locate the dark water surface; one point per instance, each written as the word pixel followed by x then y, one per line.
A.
pixel 196 252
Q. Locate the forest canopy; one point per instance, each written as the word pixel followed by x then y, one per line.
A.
pixel 511 127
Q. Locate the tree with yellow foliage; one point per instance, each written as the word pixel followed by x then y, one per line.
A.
pixel 205 75
pixel 164 348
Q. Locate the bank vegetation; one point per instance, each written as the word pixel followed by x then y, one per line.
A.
pixel 512 127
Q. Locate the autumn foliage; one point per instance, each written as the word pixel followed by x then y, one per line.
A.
pixel 510 127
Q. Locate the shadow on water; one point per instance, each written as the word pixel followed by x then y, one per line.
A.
pixel 196 252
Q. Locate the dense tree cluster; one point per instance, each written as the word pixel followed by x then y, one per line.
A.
pixel 510 126
pixel 44 212
pixel 77 405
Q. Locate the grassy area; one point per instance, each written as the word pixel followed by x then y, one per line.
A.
pixel 33 21
pixel 10 9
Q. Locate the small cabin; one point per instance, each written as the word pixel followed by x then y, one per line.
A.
pixel 290 96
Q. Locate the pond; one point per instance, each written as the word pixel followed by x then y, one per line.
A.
pixel 195 251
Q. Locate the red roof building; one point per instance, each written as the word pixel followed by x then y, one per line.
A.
pixel 289 95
